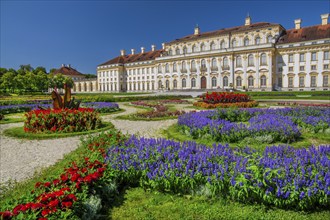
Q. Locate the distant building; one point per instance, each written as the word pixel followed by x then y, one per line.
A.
pixel 255 56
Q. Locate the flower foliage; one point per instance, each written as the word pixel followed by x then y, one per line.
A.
pixel 206 105
pixel 225 97
pixel 279 176
pixel 61 120
pixel 281 124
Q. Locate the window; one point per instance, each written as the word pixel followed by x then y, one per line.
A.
pixel 170 52
pixel 184 66
pixel 193 82
pixel 269 39
pixel 263 59
pixel 280 69
pixel 313 81
pixel 290 81
pixel 238 81
pixel 174 67
pixel 290 58
pixel 225 81
pixel 225 63
pixel 194 49
pixel 177 51
pixel 167 68
pixel 233 43
pixel 326 55
pixel 301 81
pixel 212 46
pixel 302 68
pixel 223 45
pixel 326 66
pixel 159 68
pixel 214 81
pixel 203 47
pixel 250 60
pixel 313 56
pixel 257 40
pixel 325 81
pixel 193 65
pixel 291 68
pixel 280 82
pixel 246 41
pixel 203 64
pixel 302 57
pixel 184 83
pixel 167 84
pixel 313 67
pixel 214 63
pixel 185 51
pixel 175 84
pixel 250 81
pixel 238 61
pixel 160 84
pixel 263 80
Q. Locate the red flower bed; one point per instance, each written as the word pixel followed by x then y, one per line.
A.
pixel 225 97
pixel 249 104
pixel 61 120
pixel 63 197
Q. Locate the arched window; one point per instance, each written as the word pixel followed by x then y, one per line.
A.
pixel 250 81
pixel 203 63
pixel 193 65
pixel 167 68
pixel 246 41
pixel 212 46
pixel 257 40
pixel 263 59
pixel 184 65
pixel 170 52
pixel 238 81
pixel 167 84
pixel 225 81
pixel 194 49
pixel 233 43
pixel 214 62
pixel 184 83
pixel 225 63
pixel 185 51
pixel 160 85
pixel 238 61
pixel 159 68
pixel 177 51
pixel 214 81
pixel 263 80
pixel 175 84
pixel 250 60
pixel 223 44
pixel 203 47
pixel 174 67
pixel 269 39
pixel 193 82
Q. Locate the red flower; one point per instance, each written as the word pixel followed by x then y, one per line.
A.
pixel 66 204
pixel 38 184
pixel 71 197
pixel 56 181
pixel 64 177
pixel 75 177
pixel 42 218
pixel 53 203
pixel 6 215
pixel 17 209
pixel 45 212
pixel 35 206
pixel 47 184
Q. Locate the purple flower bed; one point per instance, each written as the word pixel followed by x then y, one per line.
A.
pixel 280 175
pixel 281 124
pixel 7 109
pixel 102 107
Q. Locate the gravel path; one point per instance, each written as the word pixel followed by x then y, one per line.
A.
pixel 20 159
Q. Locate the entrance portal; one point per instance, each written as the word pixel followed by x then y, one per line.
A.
pixel 203 82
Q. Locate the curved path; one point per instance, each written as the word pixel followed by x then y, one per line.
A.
pixel 20 159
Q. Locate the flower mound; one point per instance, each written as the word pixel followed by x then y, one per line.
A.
pixel 281 175
pixel 61 120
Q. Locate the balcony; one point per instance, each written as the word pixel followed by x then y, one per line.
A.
pixel 183 70
pixel 225 67
pixel 203 68
pixel 214 68
pixel 193 70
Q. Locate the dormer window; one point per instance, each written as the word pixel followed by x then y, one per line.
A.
pixel 257 40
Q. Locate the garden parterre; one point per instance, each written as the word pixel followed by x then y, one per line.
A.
pixel 233 125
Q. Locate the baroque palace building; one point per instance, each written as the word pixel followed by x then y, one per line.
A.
pixel 255 57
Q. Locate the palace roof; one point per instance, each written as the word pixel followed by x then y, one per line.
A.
pixel 68 71
pixel 131 58
pixel 305 34
pixel 224 31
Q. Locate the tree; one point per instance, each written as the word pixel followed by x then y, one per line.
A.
pixel 41 81
pixel 90 76
pixel 59 80
pixel 39 69
pixel 8 82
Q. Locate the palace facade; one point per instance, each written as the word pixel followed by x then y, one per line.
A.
pixel 255 57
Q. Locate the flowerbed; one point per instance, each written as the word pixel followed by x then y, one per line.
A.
pixel 62 120
pixel 302 104
pixel 266 125
pixel 249 104
pixel 77 193
pixel 279 176
pixel 7 109
pixel 102 107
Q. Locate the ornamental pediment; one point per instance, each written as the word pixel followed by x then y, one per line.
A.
pixel 251 71
pixel 313 73
pixel 225 73
pixel 325 73
pixel 302 74
pixel 238 72
pixel 263 70
pixel 291 74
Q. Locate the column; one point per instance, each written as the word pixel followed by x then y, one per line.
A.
pixel 208 77
pixel 220 81
pixel 257 80
pixel 270 72
pixel 231 65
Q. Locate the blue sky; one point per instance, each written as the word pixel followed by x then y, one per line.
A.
pixel 86 33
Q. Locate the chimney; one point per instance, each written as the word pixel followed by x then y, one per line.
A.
pixel 142 49
pixel 197 30
pixel 297 23
pixel 69 65
pixel 133 51
pixel 324 19
pixel 122 52
pixel 63 65
pixel 163 46
pixel 153 47
pixel 247 20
